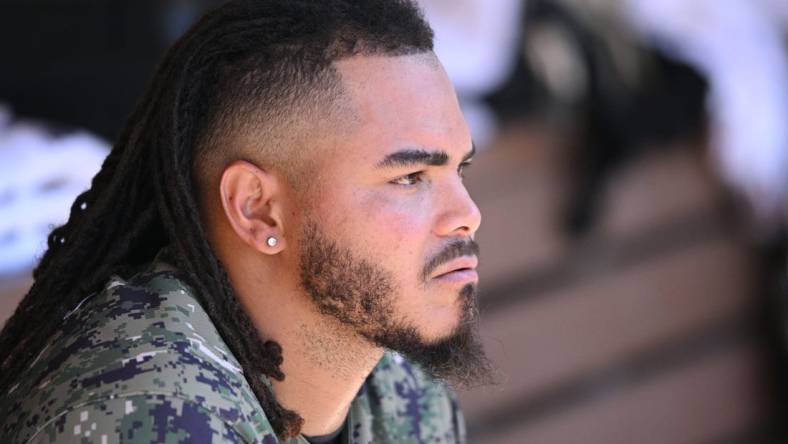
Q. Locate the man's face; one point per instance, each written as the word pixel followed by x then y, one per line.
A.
pixel 387 239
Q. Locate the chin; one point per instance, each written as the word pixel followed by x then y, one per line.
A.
pixel 434 336
pixel 440 326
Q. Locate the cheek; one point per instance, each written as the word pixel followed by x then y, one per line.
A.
pixel 400 223
pixel 390 228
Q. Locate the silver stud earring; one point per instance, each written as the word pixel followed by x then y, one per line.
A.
pixel 271 241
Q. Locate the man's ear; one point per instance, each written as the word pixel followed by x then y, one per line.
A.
pixel 252 201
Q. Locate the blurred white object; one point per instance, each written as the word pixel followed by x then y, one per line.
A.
pixel 739 46
pixel 40 176
pixel 477 42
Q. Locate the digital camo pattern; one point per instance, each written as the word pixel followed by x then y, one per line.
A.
pixel 141 362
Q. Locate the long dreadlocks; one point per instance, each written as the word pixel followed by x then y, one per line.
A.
pixel 263 54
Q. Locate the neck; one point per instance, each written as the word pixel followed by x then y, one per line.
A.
pixel 324 362
pixel 323 374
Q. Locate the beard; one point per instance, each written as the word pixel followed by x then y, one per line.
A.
pixel 362 296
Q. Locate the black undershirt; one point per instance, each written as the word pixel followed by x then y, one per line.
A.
pixel 329 438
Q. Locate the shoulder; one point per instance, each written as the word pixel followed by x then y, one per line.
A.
pixel 140 347
pixel 400 400
pixel 138 418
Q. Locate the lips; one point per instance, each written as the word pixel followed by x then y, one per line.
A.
pixel 463 267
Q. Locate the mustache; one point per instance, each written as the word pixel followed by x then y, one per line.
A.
pixel 453 250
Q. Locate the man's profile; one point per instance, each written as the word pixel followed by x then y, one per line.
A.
pixel 279 247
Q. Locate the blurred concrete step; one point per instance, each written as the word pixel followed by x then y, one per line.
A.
pixel 660 278
pixel 543 343
pixel 718 397
pixel 657 187
pixel 519 186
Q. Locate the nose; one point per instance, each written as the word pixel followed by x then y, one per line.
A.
pixel 459 216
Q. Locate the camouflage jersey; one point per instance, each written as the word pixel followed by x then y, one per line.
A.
pixel 141 362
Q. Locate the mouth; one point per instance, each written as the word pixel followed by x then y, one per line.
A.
pixel 459 275
pixel 459 270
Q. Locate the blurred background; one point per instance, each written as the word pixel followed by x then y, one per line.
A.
pixel 633 178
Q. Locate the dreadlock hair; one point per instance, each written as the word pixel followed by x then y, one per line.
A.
pixel 236 72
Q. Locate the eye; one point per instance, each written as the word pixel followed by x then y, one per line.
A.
pixel 462 167
pixel 410 179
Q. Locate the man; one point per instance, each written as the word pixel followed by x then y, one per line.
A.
pixel 285 205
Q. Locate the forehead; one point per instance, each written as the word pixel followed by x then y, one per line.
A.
pixel 401 101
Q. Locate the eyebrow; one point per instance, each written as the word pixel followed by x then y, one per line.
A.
pixel 419 156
